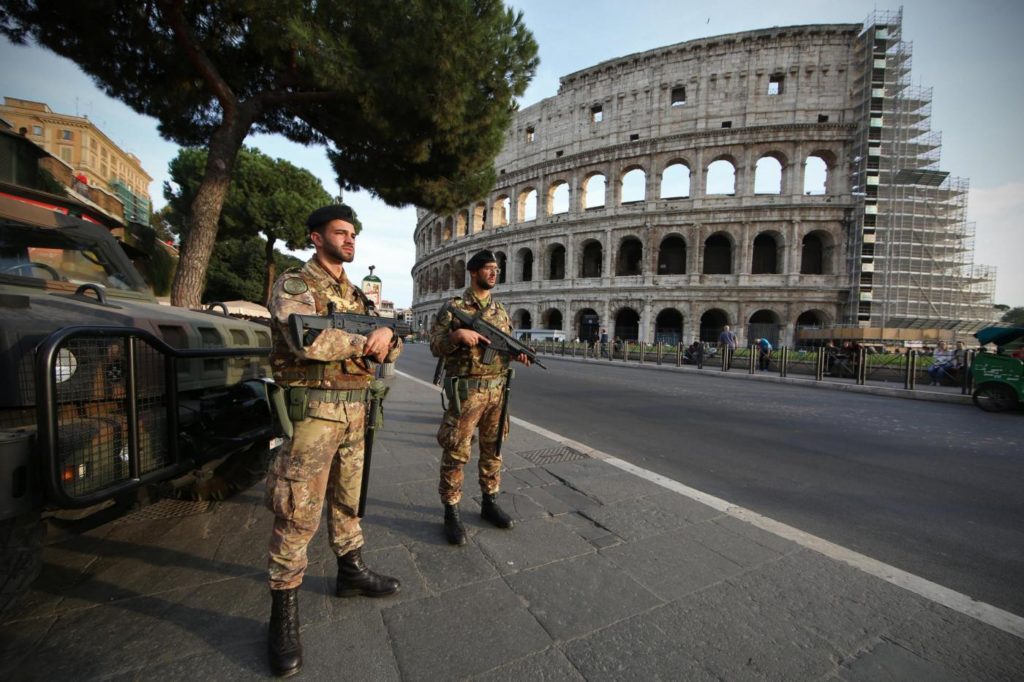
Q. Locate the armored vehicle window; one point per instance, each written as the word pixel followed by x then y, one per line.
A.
pixel 30 252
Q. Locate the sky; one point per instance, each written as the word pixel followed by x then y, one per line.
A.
pixel 969 53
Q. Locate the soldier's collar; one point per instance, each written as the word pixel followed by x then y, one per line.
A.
pixel 471 297
pixel 317 267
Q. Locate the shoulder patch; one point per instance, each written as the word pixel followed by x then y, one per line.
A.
pixel 295 286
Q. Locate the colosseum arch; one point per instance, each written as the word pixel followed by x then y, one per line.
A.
pixel 524 265
pixel 526 205
pixel 500 210
pixel 459 275
pixel 672 255
pixel 720 177
pixel 817 250
pixel 479 218
pixel 629 261
pixel 764 323
pixel 437 234
pixel 445 280
pixel 633 185
pixel 433 280
pixel 675 180
pixel 818 167
pixel 461 223
pixel 557 198
pixel 502 266
pixel 767 253
pixel 554 259
pixel 711 324
pixel 588 325
pixel 446 233
pixel 627 324
pixel 594 189
pixel 768 174
pixel 521 319
pixel 668 326
pixel 591 258
pixel 813 318
pixel 718 254
pixel 551 319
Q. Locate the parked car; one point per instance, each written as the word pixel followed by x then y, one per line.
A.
pixel 110 398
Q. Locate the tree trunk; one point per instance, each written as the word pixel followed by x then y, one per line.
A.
pixel 270 273
pixel 196 249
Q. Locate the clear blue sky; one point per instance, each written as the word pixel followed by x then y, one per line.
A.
pixel 971 54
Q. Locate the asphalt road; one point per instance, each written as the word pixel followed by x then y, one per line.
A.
pixel 932 488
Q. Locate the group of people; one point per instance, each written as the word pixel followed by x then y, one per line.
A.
pixel 329 378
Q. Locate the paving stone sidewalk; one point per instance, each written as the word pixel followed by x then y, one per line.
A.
pixel 606 576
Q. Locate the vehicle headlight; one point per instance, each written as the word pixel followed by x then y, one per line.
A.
pixel 65 366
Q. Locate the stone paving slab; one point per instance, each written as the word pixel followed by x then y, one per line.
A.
pixel 606 576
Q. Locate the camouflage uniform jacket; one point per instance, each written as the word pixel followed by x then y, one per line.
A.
pixel 461 360
pixel 335 358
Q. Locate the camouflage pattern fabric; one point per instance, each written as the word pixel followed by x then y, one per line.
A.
pixel 323 462
pixel 481 410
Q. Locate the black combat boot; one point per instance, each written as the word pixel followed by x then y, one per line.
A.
pixel 454 531
pixel 490 511
pixel 283 645
pixel 355 579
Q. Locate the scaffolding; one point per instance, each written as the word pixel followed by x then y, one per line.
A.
pixel 911 257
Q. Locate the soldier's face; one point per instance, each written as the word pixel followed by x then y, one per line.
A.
pixel 486 277
pixel 338 241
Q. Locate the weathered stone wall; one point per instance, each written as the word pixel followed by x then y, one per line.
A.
pixel 780 94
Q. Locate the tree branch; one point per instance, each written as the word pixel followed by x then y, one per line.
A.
pixel 186 40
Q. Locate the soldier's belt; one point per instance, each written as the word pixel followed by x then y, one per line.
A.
pixel 356 395
pixel 478 384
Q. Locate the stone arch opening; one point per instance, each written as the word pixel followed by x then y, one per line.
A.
pixel 768 176
pixel 592 259
pixel 766 257
pixel 712 322
pixel 502 266
pixel 502 206
pixel 816 251
pixel 525 259
pixel 437 234
pixel 459 275
pixel 668 327
pixel 717 255
pixel 675 181
pixel 594 191
pixel 672 256
pixel 556 262
pixel 812 318
pixel 551 318
pixel 627 324
pixel 721 178
pixel 446 277
pixel 633 187
pixel 815 175
pixel 558 198
pixel 461 223
pixel 630 258
pixel 479 218
pixel 526 206
pixel 763 324
pixel 588 325
pixel 448 228
pixel 521 319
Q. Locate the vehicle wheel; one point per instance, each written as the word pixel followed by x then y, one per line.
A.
pixel 994 397
pixel 235 473
pixel 21 556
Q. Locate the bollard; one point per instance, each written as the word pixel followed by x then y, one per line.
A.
pixel 862 366
pixel 752 361
pixel 910 375
pixel 642 349
pixel 679 354
pixel 819 364
pixel 658 351
pixel 725 358
pixel 700 356
pixel 967 380
pixel 783 361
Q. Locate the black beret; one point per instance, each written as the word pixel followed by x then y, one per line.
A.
pixel 481 259
pixel 324 215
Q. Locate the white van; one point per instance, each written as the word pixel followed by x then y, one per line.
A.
pixel 539 334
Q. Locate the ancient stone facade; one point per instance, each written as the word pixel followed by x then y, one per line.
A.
pixel 665 194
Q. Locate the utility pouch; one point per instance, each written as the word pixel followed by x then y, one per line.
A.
pixel 297 403
pixel 463 391
pixel 453 391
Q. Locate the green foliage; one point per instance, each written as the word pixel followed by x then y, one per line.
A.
pixel 159 266
pixel 412 97
pixel 1014 316
pixel 237 267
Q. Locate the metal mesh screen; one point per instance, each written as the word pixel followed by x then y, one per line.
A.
pixel 90 376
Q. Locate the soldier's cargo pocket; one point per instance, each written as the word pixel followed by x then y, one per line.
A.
pixel 278 496
pixel 448 434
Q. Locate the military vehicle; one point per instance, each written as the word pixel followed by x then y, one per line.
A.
pixel 108 398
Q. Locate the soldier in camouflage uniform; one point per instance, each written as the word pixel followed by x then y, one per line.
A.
pixel 327 381
pixel 462 350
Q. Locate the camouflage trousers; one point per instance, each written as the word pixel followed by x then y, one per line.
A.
pixel 482 409
pixel 322 462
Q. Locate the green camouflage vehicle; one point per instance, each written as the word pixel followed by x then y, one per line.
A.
pixel 110 398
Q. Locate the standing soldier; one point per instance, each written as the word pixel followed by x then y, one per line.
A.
pixel 479 405
pixel 327 380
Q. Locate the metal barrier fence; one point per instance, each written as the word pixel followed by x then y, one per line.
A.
pixel 822 364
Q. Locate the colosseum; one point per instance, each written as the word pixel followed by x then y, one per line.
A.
pixel 783 181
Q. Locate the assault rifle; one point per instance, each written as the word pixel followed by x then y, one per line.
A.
pixel 500 342
pixel 305 328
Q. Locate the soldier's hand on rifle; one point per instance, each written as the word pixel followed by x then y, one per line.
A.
pixel 467 337
pixel 523 359
pixel 378 343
